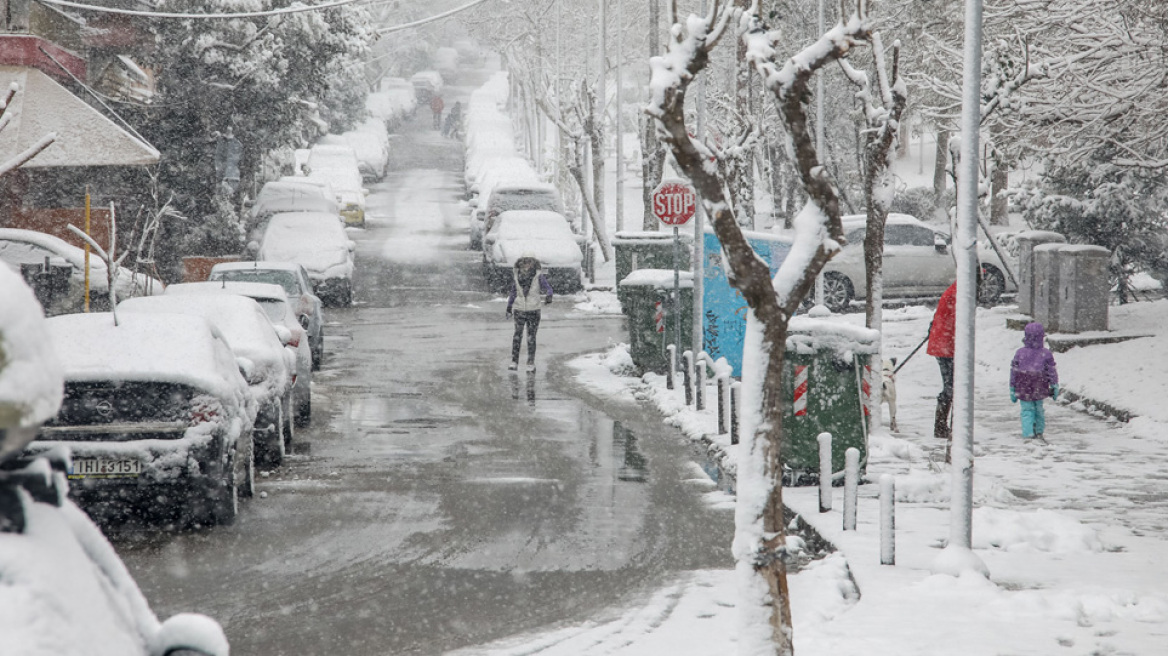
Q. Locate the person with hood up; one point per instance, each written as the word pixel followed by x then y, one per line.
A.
pixel 1033 377
pixel 524 305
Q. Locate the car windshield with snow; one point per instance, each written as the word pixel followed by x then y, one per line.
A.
pixel 297 286
pixel 274 302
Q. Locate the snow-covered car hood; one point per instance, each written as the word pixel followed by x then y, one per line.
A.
pixel 550 252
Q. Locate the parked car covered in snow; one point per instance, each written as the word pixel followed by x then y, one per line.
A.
pixel 59 577
pixel 426 84
pixel 446 62
pixel 541 234
pixel 155 412
pixel 294 195
pixel 297 285
pixel 499 172
pixel 394 100
pixel 275 304
pixel 529 196
pixel 338 167
pixel 317 243
pixel 370 144
pixel 259 345
pixel 19 247
pixel 917 263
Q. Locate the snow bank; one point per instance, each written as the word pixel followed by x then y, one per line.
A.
pixel 1039 530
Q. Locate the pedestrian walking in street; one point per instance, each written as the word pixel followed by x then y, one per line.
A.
pixel 436 106
pixel 453 119
pixel 1033 377
pixel 941 339
pixel 529 286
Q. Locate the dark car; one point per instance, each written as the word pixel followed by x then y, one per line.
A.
pixel 155 412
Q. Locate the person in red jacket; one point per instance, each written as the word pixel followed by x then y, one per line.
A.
pixel 941 335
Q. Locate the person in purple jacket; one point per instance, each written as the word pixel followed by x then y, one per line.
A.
pixel 529 286
pixel 1033 377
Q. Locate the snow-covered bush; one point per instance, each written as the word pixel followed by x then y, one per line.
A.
pixel 1095 201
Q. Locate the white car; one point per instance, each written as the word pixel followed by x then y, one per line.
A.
pixel 155 413
pixel 294 195
pixel 268 367
pixel 541 234
pixel 917 263
pixel 18 247
pixel 297 285
pixel 59 576
pixel 319 244
pixel 275 304
pixel 370 144
pixel 338 167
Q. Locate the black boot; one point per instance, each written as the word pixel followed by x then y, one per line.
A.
pixel 941 428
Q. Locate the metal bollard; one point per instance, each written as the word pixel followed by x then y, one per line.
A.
pixel 670 365
pixel 700 391
pixel 887 520
pixel 735 409
pixel 851 486
pixel 688 370
pixel 723 403
pixel 824 472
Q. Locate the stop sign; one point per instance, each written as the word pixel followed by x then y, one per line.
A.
pixel 674 202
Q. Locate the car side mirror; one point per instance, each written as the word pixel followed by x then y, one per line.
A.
pixel 284 334
pixel 303 319
pixel 247 370
pixel 940 244
pixel 189 634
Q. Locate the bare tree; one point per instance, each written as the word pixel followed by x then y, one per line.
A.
pixel 760 532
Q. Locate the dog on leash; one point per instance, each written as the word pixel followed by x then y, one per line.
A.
pixel 888 391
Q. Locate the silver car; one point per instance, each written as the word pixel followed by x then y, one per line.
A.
pixel 918 263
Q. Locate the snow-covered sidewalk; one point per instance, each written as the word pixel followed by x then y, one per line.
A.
pixel 1072 531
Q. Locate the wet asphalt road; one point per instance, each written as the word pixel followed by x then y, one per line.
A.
pixel 439 501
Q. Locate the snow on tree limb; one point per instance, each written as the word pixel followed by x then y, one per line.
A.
pixel 32 151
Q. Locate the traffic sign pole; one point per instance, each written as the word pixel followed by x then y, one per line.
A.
pixel 674 204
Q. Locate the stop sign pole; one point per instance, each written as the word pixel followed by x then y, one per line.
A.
pixel 674 205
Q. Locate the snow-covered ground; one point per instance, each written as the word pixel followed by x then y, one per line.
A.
pixel 1072 531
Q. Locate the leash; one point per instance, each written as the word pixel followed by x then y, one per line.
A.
pixel 914 351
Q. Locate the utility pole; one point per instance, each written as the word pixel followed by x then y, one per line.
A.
pixel 620 150
pixel 958 556
pixel 744 167
pixel 820 308
pixel 652 155
pixel 699 250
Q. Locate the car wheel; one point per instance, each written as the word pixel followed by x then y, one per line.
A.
pixel 993 285
pixel 304 412
pixel 273 449
pixel 837 291
pixel 224 497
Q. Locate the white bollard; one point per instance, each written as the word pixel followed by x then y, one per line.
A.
pixel 721 382
pixel 887 520
pixel 851 486
pixel 687 364
pixel 735 410
pixel 824 472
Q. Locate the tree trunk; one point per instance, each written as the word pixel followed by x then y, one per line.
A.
pixel 941 176
pixel 999 183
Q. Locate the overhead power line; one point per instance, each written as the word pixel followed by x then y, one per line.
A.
pixel 295 9
pixel 436 17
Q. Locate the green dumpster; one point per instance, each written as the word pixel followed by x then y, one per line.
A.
pixel 824 392
pixel 647 250
pixel 648 293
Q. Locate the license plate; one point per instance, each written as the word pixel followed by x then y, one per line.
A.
pixel 105 468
